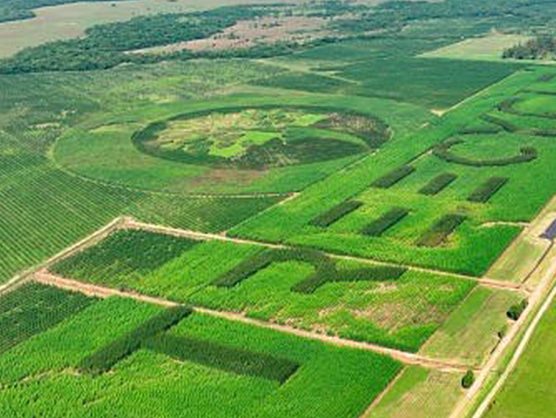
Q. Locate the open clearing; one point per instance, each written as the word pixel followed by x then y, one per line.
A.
pixel 486 48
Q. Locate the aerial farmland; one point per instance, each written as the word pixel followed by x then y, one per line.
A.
pixel 277 209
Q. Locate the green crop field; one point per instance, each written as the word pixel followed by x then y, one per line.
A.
pixel 269 208
pixel 179 386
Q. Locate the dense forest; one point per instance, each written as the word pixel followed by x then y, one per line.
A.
pixel 541 47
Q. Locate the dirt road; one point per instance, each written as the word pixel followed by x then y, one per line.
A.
pixel 47 278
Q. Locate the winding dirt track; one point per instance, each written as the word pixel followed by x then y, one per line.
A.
pixel 44 277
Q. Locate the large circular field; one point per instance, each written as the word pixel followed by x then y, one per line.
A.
pixel 260 138
pixel 214 149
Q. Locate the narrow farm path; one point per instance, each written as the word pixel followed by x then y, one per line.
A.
pixel 44 277
pixel 131 223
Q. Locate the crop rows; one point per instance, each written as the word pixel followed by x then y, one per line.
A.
pixel 437 184
pixel 393 177
pixel 385 222
pixel 32 309
pixel 439 232
pixel 123 252
pixel 325 270
pixel 486 190
pixel 336 213
pixel 234 360
pixel 106 357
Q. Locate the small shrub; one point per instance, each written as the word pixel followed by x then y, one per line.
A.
pixel 468 379
pixel 385 222
pixel 437 184
pixel 438 233
pixel 393 177
pixel 336 213
pixel 485 191
pixel 515 311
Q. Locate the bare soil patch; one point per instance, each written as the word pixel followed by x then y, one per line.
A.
pixel 248 33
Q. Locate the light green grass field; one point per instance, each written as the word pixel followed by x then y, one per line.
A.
pixel 529 391
pixel 419 393
pixel 472 330
pixel 486 48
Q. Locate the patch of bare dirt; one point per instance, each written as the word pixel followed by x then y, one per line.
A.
pixel 247 33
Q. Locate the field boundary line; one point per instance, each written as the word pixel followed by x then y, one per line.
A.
pixel 367 412
pixel 89 240
pixel 537 298
pixel 44 277
pixel 131 223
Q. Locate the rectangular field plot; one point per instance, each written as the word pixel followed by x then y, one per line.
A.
pixel 32 309
pixel 307 289
pixel 200 366
pixel 474 328
pixel 530 390
pixel 419 393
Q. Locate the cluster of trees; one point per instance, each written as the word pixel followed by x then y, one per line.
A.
pixel 396 14
pixel 541 47
pixel 106 46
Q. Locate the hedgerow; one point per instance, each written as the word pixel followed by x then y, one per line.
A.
pixel 486 190
pixel 325 270
pixel 106 357
pixel 331 274
pixel 385 222
pixel 337 212
pixel 438 232
pixel 252 265
pixel 504 124
pixel 225 358
pixel 443 152
pixel 393 177
pixel 437 184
